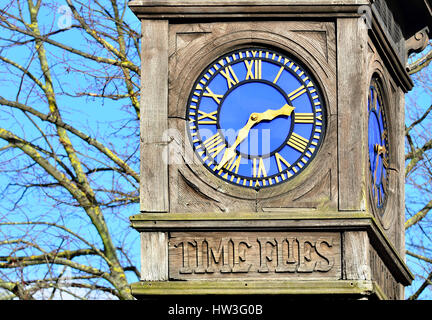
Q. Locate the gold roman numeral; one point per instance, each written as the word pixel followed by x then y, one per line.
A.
pixel 214 145
pixel 385 162
pixel 298 142
pixel 261 172
pixel 230 76
pixel 215 97
pixel 278 74
pixel 210 116
pixel 304 118
pixel 384 134
pixel 234 164
pixel 253 69
pixel 297 93
pixel 280 160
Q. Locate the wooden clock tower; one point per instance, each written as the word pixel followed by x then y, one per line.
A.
pixel 272 146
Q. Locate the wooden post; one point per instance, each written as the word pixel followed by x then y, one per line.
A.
pixel 154 256
pixel 154 116
pixel 351 46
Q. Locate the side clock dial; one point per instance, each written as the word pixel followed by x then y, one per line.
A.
pixel 378 143
pixel 256 118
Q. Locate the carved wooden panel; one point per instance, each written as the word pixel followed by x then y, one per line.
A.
pixel 191 48
pixel 258 255
pixel 383 277
pixel 154 119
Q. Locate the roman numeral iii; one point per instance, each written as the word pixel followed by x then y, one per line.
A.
pixel 214 145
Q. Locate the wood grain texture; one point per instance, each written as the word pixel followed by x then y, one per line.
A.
pixel 200 9
pixel 154 256
pixel 352 119
pixel 384 278
pixel 260 255
pixel 356 256
pixel 400 216
pixel 156 3
pixel 194 46
pixel 154 116
pixel 193 187
pixel 326 288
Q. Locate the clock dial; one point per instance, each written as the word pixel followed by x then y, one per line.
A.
pixel 255 118
pixel 378 146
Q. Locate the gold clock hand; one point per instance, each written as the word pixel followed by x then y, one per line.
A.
pixel 254 119
pixel 379 149
pixel 243 133
pixel 376 168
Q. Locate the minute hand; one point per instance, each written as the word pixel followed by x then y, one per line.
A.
pixel 254 119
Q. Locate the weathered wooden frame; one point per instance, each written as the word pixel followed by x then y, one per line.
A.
pixel 236 36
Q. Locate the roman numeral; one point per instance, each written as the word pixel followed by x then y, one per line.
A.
pixel 210 116
pixel 280 160
pixel 253 69
pixel 261 172
pixel 378 195
pixel 279 74
pixel 304 118
pixel 214 145
pixel 381 193
pixel 374 191
pixel 297 93
pixel 384 135
pixel 215 97
pixel 385 162
pixel 298 142
pixel 234 164
pixel 230 76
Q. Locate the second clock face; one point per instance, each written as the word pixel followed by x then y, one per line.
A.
pixel 256 118
pixel 378 146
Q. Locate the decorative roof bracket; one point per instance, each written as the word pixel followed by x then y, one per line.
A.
pixel 418 42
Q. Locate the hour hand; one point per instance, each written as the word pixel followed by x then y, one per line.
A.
pixel 229 153
pixel 270 114
pixel 243 133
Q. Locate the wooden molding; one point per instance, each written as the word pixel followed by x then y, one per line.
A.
pixel 199 9
pixel 280 221
pixel 295 287
pixel 154 117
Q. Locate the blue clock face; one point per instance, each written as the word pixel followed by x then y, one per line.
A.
pixel 256 118
pixel 378 146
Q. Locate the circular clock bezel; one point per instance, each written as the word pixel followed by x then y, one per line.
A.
pixel 307 72
pixel 380 89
